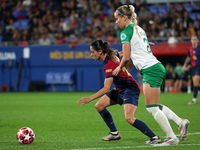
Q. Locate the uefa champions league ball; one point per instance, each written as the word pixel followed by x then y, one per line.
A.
pixel 25 135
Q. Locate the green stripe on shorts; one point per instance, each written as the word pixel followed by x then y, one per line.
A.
pixel 154 75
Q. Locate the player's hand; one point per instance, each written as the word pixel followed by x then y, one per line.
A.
pixel 150 43
pixel 83 101
pixel 116 71
pixel 129 66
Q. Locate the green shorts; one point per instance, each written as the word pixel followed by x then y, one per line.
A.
pixel 154 75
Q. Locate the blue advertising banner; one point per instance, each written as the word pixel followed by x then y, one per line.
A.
pixel 22 65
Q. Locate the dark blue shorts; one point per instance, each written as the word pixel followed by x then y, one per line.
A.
pixel 196 70
pixel 128 97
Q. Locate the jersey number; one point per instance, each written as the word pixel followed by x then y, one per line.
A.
pixel 148 47
pixel 125 70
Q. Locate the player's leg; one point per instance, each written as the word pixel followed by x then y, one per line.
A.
pixel 153 79
pixel 195 79
pixel 151 96
pixel 129 111
pixel 130 101
pixel 105 114
pixel 101 105
pixel 182 123
pixel 170 114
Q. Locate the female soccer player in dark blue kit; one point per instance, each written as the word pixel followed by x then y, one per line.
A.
pixel 194 58
pixel 126 92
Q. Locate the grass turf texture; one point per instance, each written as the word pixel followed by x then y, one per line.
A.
pixel 60 123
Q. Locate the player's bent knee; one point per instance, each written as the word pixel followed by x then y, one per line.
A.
pixel 130 119
pixel 99 107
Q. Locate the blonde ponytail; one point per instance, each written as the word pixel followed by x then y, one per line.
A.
pixel 134 16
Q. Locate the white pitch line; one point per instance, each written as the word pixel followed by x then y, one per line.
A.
pixel 134 147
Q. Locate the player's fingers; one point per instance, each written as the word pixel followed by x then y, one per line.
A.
pixel 79 101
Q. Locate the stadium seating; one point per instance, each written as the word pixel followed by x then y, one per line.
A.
pixel 22 24
pixel 60 78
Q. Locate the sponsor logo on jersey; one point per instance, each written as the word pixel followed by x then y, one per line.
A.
pixel 109 70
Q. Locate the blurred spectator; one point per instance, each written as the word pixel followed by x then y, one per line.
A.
pixel 34 10
pixel 157 20
pixel 172 12
pixel 44 39
pixel 35 35
pixel 172 82
pixel 171 39
pixel 106 23
pixel 48 16
pixel 191 28
pixel 178 70
pixel 10 27
pixel 81 27
pixel 172 29
pixel 73 21
pixel 60 39
pixel 88 31
pixel 83 8
pixel 180 9
pixel 71 6
pixel 116 3
pixel 24 41
pixel 186 19
pixel 20 12
pixel 167 20
pixel 196 25
pixel 97 32
pixel 74 40
pixel 71 17
pixel 16 37
pixel 64 26
pixel 162 31
pixel 95 6
pixel 101 15
pixel 198 34
pixel 150 18
pixel 95 22
pixel 138 4
pixel 181 29
pixel 143 14
pixel 179 19
pixel 171 78
pixel 34 23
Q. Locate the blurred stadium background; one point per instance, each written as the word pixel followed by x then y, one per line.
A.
pixel 44 44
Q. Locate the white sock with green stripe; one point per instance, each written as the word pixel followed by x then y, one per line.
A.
pixel 161 119
pixel 170 114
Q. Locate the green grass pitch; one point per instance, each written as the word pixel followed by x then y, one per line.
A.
pixel 59 123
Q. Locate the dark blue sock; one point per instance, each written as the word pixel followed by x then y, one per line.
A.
pixel 143 128
pixel 195 91
pixel 105 114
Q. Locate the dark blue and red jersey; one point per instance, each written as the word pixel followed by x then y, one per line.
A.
pixel 123 80
pixel 194 54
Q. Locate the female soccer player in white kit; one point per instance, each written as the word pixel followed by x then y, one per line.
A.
pixel 135 46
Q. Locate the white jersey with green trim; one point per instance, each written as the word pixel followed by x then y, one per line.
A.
pixel 141 54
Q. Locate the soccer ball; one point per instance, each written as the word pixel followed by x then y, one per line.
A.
pixel 25 135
